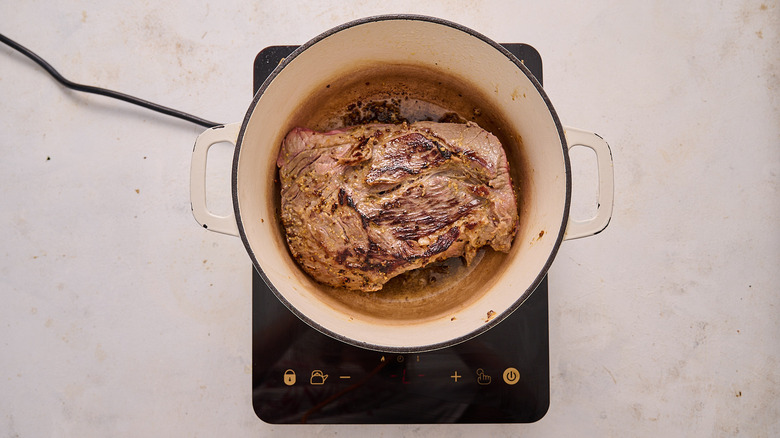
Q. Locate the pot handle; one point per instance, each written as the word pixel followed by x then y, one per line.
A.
pixel 218 134
pixel 576 229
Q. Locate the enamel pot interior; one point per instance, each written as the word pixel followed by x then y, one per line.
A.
pixel 426 61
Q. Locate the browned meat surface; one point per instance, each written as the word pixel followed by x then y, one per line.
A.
pixel 363 204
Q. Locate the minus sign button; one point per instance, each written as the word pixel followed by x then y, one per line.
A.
pixel 345 377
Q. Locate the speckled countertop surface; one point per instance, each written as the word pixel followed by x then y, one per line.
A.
pixel 122 317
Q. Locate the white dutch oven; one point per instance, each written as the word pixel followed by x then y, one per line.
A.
pixel 430 60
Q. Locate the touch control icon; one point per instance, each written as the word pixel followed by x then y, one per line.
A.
pixel 482 378
pixel 511 376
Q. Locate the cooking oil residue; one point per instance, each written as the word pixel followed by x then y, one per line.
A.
pixel 431 279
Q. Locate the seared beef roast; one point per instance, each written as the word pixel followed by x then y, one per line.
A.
pixel 363 204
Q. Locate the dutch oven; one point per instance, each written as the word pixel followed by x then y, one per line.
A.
pixel 439 66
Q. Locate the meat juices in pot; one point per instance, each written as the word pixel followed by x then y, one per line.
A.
pixel 363 204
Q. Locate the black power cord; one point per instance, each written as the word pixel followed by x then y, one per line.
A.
pixel 102 91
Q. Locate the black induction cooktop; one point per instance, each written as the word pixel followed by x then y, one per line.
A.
pixel 300 375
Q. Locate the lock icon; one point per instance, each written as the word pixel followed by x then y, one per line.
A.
pixel 289 377
pixel 317 377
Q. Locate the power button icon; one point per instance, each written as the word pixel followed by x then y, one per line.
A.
pixel 511 376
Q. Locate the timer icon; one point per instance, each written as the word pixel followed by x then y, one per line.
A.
pixel 511 376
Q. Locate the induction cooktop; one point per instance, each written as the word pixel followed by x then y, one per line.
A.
pixel 300 375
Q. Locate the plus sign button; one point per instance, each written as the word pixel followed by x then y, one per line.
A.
pixel 511 376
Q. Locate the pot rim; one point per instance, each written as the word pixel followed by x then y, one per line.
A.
pixel 498 318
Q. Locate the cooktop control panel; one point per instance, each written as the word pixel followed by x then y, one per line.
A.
pixel 303 376
pixel 300 375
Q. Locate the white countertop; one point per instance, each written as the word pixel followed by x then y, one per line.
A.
pixel 122 317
